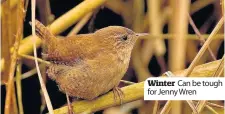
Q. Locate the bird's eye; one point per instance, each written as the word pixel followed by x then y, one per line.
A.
pixel 124 38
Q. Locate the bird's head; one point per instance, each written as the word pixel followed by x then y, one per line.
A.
pixel 119 37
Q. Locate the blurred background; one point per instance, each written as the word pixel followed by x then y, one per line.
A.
pixel 172 44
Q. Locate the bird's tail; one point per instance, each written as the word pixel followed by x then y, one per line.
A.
pixel 43 32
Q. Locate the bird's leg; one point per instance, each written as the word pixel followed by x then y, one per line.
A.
pixel 118 92
pixel 70 111
pixel 114 93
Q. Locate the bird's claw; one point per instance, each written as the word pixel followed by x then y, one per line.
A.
pixel 118 92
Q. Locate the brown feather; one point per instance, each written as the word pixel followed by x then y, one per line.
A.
pixel 88 65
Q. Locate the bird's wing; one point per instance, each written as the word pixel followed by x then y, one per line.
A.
pixel 73 48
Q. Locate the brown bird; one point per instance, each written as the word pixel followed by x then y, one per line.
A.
pixel 88 65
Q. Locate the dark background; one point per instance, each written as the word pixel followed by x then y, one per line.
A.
pixel 105 17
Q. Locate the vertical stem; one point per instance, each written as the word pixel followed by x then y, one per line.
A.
pixel 10 100
pixel 14 106
pixel 45 11
pixel 222 5
pixel 5 39
pixel 138 15
pixel 19 88
pixel 44 90
pixel 154 46
pixel 177 47
pixel 178 25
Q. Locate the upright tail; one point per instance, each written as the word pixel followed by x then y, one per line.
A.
pixel 43 32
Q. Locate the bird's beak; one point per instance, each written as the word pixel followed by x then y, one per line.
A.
pixel 141 34
pixel 138 35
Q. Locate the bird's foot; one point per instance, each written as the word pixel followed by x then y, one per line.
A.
pixel 70 109
pixel 118 93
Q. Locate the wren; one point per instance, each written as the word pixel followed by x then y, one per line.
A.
pixel 88 65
